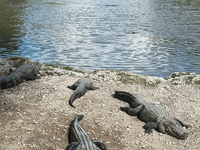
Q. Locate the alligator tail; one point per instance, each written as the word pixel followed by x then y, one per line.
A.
pixel 80 91
pixel 9 81
pixel 93 87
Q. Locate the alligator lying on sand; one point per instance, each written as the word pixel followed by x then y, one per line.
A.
pixel 81 86
pixel 27 71
pixel 78 138
pixel 154 116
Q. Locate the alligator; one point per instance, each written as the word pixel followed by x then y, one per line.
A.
pixel 27 71
pixel 79 139
pixel 154 117
pixel 81 86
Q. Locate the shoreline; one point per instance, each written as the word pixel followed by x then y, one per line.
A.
pixel 126 77
pixel 36 114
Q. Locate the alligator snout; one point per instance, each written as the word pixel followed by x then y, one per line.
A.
pixel 184 136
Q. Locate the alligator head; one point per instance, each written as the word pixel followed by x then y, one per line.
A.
pixel 173 128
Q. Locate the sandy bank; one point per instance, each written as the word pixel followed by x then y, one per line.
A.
pixel 36 114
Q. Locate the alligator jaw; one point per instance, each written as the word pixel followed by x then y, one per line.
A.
pixel 178 135
pixel 175 129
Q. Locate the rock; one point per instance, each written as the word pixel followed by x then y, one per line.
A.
pixel 183 78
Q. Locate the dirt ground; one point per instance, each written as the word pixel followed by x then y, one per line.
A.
pixel 36 115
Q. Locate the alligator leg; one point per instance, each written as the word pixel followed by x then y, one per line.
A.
pixel 131 111
pixel 35 74
pixel 13 81
pixel 149 126
pixel 72 145
pixel 74 86
pixel 93 87
pixel 31 77
pixel 100 145
pixel 182 124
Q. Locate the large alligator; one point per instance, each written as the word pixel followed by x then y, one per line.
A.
pixel 154 117
pixel 79 139
pixel 27 71
pixel 81 86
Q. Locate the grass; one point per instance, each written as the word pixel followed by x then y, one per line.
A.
pixel 18 61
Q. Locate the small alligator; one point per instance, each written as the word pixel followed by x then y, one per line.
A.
pixel 153 116
pixel 27 71
pixel 79 139
pixel 81 86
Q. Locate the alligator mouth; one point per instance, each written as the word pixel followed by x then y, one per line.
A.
pixel 184 136
pixel 180 136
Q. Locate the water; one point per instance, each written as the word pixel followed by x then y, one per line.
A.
pixel 152 37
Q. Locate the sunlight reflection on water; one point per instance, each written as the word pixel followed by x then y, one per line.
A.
pixel 147 37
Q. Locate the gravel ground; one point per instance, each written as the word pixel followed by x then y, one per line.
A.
pixel 36 114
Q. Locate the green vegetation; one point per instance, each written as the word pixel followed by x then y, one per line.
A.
pixel 184 77
pixel 50 69
pixel 125 77
pixel 65 68
pixel 52 3
pixel 189 79
pixel 197 82
pixel 107 71
pixel 18 61
pixel 138 79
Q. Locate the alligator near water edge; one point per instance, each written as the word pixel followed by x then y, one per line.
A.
pixel 27 71
pixel 81 86
pixel 154 117
pixel 79 139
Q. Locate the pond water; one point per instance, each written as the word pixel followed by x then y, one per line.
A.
pixel 152 37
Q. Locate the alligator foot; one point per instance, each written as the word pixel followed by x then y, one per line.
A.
pixel 149 127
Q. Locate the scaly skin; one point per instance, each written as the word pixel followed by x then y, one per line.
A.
pixel 27 71
pixel 154 116
pixel 80 87
pixel 79 139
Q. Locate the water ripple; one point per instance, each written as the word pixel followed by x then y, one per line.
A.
pixel 148 37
